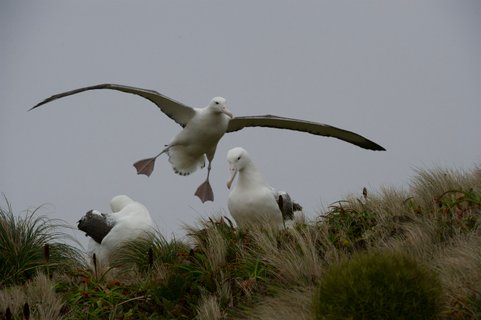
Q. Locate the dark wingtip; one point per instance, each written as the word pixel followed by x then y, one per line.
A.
pixel 373 146
pixel 379 148
pixel 71 92
pixel 35 106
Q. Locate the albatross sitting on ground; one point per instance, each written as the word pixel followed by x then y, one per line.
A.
pixel 252 201
pixel 129 220
pixel 204 127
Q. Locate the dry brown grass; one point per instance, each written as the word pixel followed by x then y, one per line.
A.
pixel 209 309
pixel 44 303
pixel 215 248
pixel 428 185
pixel 292 254
pixel 457 263
pixel 287 303
pixel 459 267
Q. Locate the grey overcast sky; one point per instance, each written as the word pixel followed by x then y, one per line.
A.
pixel 405 74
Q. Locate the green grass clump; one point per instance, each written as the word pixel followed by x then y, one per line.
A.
pixel 148 252
pixel 378 285
pixel 30 244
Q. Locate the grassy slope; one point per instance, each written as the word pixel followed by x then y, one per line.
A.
pixel 257 273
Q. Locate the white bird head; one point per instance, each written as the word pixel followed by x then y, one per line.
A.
pixel 219 105
pixel 119 202
pixel 238 159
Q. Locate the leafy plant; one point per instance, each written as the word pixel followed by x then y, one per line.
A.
pixel 92 297
pixel 347 226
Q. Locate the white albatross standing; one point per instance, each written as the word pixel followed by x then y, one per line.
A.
pixel 251 200
pixel 204 127
pixel 129 219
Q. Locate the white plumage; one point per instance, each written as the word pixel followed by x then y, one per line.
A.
pixel 251 200
pixel 199 137
pixel 130 220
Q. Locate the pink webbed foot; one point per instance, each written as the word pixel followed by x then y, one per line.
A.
pixel 204 192
pixel 145 166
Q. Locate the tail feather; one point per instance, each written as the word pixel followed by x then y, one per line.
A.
pixel 184 163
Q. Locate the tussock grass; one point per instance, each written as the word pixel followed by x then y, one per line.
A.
pixel 429 185
pixel 459 267
pixel 145 253
pixel 293 256
pixel 38 296
pixel 31 243
pixel 287 303
pixel 212 243
pixel 220 272
pixel 209 309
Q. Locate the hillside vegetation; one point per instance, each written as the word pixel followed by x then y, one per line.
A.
pixel 409 254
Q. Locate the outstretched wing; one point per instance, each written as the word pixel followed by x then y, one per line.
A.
pixel 175 110
pixel 316 128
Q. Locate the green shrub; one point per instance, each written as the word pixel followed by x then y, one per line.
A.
pixel 378 285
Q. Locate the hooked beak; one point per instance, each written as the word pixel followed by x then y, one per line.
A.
pixel 233 173
pixel 227 113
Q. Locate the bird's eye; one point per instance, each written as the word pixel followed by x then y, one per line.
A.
pixel 238 158
pixel 217 102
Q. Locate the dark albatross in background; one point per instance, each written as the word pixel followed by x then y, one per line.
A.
pixel 204 127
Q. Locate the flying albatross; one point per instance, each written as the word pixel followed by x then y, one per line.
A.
pixel 204 127
pixel 252 201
